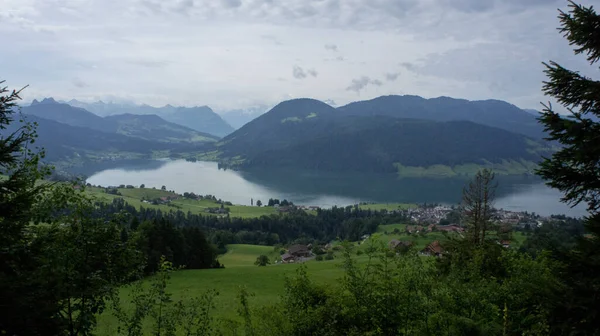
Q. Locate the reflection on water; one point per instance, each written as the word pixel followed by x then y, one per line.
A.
pixel 324 189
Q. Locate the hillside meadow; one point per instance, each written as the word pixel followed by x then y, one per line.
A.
pixel 265 283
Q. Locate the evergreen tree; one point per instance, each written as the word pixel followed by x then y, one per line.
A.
pixel 575 168
pixel 26 307
pixel 478 199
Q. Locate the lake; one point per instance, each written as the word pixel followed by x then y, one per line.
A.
pixel 517 193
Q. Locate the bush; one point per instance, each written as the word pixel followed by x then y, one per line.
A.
pixel 319 258
pixel 359 252
pixel 329 256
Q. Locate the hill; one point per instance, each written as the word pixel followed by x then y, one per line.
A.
pixel 147 127
pixel 310 134
pixel 495 113
pixel 288 123
pixel 153 127
pixel 67 114
pixel 64 142
pixel 200 118
pixel 381 144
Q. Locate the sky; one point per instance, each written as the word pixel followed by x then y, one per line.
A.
pixel 239 53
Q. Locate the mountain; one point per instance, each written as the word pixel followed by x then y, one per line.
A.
pixel 493 113
pixel 306 133
pixel 240 117
pixel 65 142
pixel 67 114
pixel 153 127
pixel 288 123
pixel 147 127
pixel 202 118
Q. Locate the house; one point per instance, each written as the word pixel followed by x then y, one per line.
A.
pixel 287 258
pixel 299 251
pixel 505 243
pixel 433 249
pixel 284 208
pixel 395 243
pixel 450 228
pixel 327 246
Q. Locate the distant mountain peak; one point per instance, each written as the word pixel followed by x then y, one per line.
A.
pixel 35 102
pixel 48 100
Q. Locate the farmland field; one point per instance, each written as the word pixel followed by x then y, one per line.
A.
pixel 134 196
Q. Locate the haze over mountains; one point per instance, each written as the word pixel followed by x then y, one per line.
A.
pixel 386 134
pixel 200 118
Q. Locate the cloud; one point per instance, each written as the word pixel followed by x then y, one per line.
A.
pixel 300 73
pixel 148 63
pixel 232 3
pixel 390 77
pixel 230 52
pixel 77 82
pixel 331 47
pixel 359 84
pixel 408 66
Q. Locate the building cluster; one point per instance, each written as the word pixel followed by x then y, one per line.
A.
pixel 429 215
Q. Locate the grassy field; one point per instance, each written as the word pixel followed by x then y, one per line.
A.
pixel 134 197
pixel 242 255
pixel 267 283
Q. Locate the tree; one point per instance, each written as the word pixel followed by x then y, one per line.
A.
pixel 477 203
pixel 26 306
pixel 574 169
pixel 163 188
pixel 258 203
pixel 262 260
pixel 142 186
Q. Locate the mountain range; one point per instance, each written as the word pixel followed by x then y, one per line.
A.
pixel 147 127
pixel 389 134
pixel 409 135
pixel 200 118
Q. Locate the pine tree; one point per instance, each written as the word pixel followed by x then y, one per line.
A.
pixel 575 168
pixel 478 200
pixel 25 307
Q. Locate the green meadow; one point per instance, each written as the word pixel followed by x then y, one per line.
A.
pixel 134 197
pixel 265 283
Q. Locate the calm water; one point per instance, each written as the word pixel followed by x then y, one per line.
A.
pixel 323 189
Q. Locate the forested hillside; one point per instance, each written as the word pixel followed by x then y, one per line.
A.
pixel 377 144
pixel 153 127
pixel 494 113
pixel 63 142
pixel 306 133
pixel 147 127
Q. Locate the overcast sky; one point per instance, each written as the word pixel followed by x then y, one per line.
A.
pixel 238 53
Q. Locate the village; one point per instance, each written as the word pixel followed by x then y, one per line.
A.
pixel 425 219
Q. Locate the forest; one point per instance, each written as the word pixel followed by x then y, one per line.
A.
pixel 64 257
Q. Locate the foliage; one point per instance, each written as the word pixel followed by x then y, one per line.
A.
pixel 262 260
pixel 477 205
pixel 153 302
pixel 574 168
pixel 20 289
